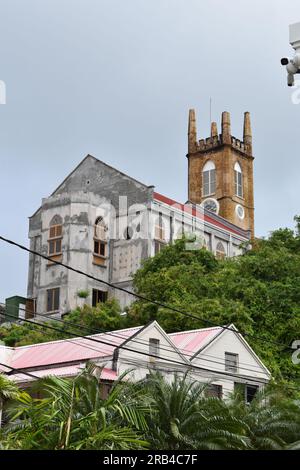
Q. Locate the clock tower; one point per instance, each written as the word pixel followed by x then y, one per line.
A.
pixel 220 172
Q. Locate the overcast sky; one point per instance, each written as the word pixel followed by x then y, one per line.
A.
pixel 115 78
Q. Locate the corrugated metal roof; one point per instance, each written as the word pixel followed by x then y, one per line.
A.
pixel 59 353
pixel 189 342
pixel 75 349
pixel 66 371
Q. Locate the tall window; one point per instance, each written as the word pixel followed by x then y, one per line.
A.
pixel 208 179
pixel 231 362
pixel 238 180
pixel 220 251
pixel 99 296
pixel 100 241
pixel 153 349
pixel 159 228
pixel 53 300
pixel 55 237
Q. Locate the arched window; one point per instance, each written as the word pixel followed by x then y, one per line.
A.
pixel 220 251
pixel 55 237
pixel 238 180
pixel 100 241
pixel 209 178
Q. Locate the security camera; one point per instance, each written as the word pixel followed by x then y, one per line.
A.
pixel 293 65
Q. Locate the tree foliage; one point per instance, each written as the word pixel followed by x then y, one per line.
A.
pixel 259 292
pixel 158 413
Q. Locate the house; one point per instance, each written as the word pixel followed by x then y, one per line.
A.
pixel 218 356
pixel 104 222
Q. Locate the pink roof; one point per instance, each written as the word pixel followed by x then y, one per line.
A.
pixel 189 342
pixel 188 209
pixel 66 357
pixel 67 350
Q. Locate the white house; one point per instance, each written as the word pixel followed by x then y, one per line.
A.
pixel 219 356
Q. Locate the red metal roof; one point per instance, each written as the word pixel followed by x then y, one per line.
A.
pixel 67 350
pixel 189 209
pixel 189 342
pixel 54 358
pixel 66 371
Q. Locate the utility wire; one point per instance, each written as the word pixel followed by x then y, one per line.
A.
pixel 122 346
pixel 139 296
pixel 17 370
pixel 144 343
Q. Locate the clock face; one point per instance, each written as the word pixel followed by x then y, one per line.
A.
pixel 211 205
pixel 240 211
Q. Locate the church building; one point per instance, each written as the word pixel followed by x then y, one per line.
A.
pixel 104 222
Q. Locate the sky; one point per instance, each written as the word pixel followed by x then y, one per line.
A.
pixel 116 79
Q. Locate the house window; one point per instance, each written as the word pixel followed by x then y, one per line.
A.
pixel 53 299
pixel 99 296
pixel 158 246
pixel 213 390
pixel 246 391
pixel 250 392
pixel 153 348
pixel 220 250
pixel 238 180
pixel 55 237
pixel 208 179
pixel 231 362
pixel 100 242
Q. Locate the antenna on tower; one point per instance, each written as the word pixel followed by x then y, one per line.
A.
pixel 210 111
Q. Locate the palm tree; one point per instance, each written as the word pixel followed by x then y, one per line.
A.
pixel 8 391
pixel 73 415
pixel 183 418
pixel 271 421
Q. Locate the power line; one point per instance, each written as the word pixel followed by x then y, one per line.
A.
pixel 17 370
pixel 116 335
pixel 121 346
pixel 139 296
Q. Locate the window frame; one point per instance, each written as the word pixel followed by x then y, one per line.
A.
pixel 209 179
pixel 231 368
pixel 159 228
pixel 154 349
pixel 95 292
pixel 238 181
pixel 55 240
pixel 53 291
pixel 220 254
pixel 214 391
pixel 100 239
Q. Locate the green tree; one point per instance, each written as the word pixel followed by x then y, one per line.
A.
pixel 8 391
pixel 258 292
pixel 74 415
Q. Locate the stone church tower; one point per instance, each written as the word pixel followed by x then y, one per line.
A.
pixel 220 172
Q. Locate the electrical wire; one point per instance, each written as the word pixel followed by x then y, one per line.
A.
pixel 139 296
pixel 144 343
pixel 122 346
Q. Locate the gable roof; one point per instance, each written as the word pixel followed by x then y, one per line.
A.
pixel 91 157
pixel 69 350
pixel 190 342
pixel 88 157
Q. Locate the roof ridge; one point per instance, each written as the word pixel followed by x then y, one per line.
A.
pixel 197 330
